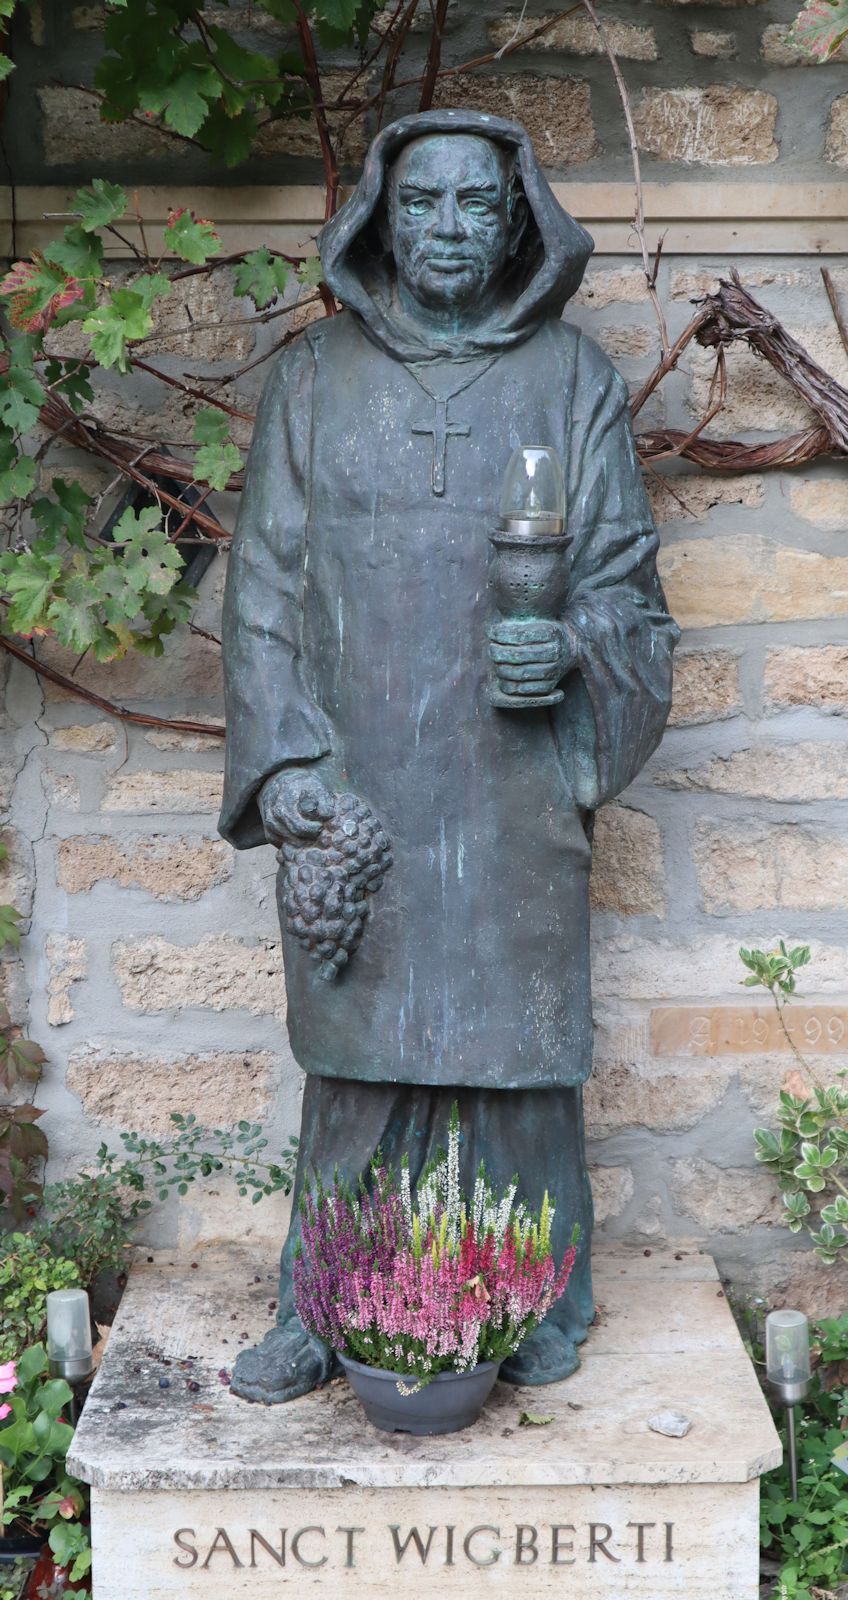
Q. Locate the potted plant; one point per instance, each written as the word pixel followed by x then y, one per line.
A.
pixel 423 1295
pixel 42 1505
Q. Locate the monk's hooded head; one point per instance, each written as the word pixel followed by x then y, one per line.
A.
pixel 453 220
pixel 452 242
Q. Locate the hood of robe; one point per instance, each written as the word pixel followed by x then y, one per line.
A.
pixel 544 273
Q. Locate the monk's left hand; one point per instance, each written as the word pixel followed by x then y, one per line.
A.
pixel 530 657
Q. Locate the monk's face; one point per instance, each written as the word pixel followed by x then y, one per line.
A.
pixel 448 219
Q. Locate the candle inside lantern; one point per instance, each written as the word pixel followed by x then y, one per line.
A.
pixel 69 1334
pixel 533 493
pixel 787 1347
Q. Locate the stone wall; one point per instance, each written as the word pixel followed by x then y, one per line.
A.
pixel 151 973
pixel 714 86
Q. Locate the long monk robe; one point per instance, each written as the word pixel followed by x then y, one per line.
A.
pixel 356 621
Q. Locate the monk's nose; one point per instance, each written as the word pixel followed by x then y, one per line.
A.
pixel 449 223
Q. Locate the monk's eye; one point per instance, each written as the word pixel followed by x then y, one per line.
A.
pixel 417 208
pixel 478 208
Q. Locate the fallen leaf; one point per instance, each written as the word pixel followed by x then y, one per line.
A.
pixel 533 1419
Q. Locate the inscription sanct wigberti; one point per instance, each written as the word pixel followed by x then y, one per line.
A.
pixel 432 1547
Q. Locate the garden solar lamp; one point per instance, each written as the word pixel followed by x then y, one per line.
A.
pixel 529 573
pixel 69 1337
pixel 788 1371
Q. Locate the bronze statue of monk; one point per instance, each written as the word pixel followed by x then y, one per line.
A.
pixel 435 847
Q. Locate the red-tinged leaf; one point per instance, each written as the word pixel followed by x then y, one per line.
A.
pixel 820 28
pixel 24 1113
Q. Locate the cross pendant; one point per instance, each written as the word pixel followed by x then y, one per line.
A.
pixel 442 430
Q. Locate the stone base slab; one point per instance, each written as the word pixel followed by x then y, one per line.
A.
pixel 196 1493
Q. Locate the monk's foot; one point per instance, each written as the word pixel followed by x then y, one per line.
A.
pixel 288 1363
pixel 546 1357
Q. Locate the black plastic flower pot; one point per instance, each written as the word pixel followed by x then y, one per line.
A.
pixel 449 1402
pixel 20 1546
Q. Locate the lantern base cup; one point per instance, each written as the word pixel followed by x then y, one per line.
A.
pixel 520 702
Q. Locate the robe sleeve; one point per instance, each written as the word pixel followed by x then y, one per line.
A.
pixel 272 721
pixel 618 697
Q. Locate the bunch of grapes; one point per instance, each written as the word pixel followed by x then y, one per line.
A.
pixel 327 883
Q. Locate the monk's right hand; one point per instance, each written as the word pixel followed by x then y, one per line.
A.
pixel 293 805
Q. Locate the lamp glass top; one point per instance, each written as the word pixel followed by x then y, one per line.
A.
pixel 533 486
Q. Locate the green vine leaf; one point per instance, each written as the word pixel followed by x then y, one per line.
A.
pixel 215 464
pixel 191 238
pixel 261 276
pixel 183 103
pixel 126 317
pixel 100 205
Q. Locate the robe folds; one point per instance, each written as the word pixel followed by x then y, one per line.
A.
pixel 355 635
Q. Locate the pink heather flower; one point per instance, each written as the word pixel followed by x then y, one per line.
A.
pixel 8 1378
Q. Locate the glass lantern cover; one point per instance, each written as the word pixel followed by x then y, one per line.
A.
pixel 68 1325
pixel 533 487
pixel 787 1347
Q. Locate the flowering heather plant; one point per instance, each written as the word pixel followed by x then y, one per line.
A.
pixel 425 1283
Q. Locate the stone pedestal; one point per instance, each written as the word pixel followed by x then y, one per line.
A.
pixel 196 1493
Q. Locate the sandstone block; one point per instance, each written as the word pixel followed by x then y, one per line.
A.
pixel 298 135
pixel 91 738
pixel 804 1282
pixel 823 501
pixel 836 147
pixel 626 967
pixel 67 960
pixel 187 792
pixel 182 321
pixel 17 873
pixel 806 771
pixel 73 133
pixel 713 42
pixel 130 1090
pixel 715 582
pixel 758 398
pixel 706 687
pixel 169 869
pixel 189 669
pixel 723 1199
pixel 775 49
pixel 808 675
pixel 557 112
pixel 611 285
pixel 175 739
pixel 628 871
pixel 220 973
pixel 770 866
pixel 612 1190
pixel 718 125
pixel 628 343
pixel 576 36
pixel 700 494
pixel 687 284
pixel 61 790
pixel 621 1095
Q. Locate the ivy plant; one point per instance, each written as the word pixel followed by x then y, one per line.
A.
pixel 808 1152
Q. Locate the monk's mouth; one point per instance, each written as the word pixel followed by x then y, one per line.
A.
pixel 449 263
